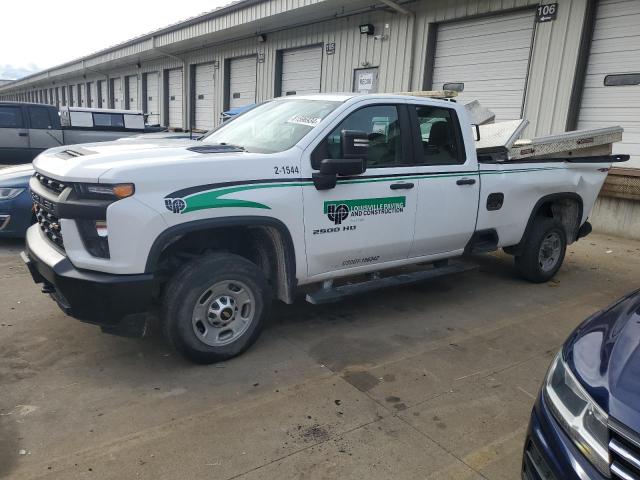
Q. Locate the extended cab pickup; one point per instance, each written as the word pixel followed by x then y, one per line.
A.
pixel 27 129
pixel 296 192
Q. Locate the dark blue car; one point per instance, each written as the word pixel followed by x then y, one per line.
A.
pixel 586 421
pixel 15 200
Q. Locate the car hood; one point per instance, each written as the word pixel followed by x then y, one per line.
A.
pixel 604 353
pixel 89 161
pixel 17 176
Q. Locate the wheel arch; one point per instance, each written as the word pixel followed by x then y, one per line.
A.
pixel 272 236
pixel 568 206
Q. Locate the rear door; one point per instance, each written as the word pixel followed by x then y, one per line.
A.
pixel 44 129
pixel 14 137
pixel 448 179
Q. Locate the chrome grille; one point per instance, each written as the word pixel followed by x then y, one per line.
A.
pixel 50 183
pixel 624 448
pixel 49 224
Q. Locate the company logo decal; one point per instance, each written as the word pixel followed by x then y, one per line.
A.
pixel 175 205
pixel 337 211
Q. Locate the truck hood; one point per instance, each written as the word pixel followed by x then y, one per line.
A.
pixel 89 161
pixel 604 353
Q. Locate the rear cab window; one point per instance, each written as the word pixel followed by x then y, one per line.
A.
pixel 439 140
pixel 39 118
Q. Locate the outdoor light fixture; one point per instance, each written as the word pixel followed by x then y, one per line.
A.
pixel 262 38
pixel 367 29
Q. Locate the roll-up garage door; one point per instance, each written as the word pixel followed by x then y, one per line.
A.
pixel 81 95
pixel 204 96
pixel 175 98
pixel 93 97
pixel 242 81
pixel 72 96
pixel 132 92
pixel 116 93
pixel 104 96
pixel 490 55
pixel 611 94
pixel 301 70
pixel 152 108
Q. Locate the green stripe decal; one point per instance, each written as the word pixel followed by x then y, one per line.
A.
pixel 212 198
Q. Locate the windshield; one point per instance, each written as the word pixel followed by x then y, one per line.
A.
pixel 273 126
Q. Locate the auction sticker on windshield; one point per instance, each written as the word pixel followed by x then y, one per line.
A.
pixel 307 120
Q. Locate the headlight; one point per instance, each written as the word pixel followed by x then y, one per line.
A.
pixel 580 417
pixel 107 191
pixel 9 193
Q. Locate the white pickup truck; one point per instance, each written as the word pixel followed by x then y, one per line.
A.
pixel 302 191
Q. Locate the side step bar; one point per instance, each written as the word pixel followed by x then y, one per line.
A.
pixel 335 294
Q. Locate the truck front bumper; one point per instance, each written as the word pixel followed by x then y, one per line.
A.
pixel 117 303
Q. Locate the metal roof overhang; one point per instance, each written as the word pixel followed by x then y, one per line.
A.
pixel 207 30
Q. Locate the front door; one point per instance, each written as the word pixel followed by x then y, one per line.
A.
pixel 369 218
pixel 449 182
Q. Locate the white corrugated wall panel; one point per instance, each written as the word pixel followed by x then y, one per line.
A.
pixel 301 70
pixel 153 98
pixel 204 96
pixel 615 49
pixel 242 81
pixel 490 55
pixel 175 92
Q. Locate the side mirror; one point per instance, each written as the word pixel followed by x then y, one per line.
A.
pixel 354 143
pixel 331 168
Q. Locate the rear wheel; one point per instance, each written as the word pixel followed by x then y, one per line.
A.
pixel 215 307
pixel 543 251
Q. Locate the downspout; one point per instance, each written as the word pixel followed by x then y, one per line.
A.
pixel 412 50
pixel 186 111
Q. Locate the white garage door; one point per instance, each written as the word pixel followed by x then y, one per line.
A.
pixel 132 90
pixel 175 98
pixel 103 100
pixel 301 70
pixel 92 93
pixel 490 55
pixel 615 52
pixel 153 98
pixel 242 81
pixel 204 95
pixel 116 93
pixel 82 96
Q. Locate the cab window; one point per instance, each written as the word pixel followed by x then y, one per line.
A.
pixel 39 118
pixel 380 125
pixel 439 138
pixel 10 117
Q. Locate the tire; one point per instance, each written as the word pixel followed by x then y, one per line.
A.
pixel 214 307
pixel 536 265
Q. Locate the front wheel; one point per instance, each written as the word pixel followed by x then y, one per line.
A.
pixel 543 251
pixel 215 307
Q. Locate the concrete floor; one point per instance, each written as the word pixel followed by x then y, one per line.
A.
pixel 432 381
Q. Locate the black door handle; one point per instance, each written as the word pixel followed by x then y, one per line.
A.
pixel 466 181
pixel 401 186
pixel 23 134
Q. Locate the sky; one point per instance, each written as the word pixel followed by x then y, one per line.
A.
pixel 39 34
